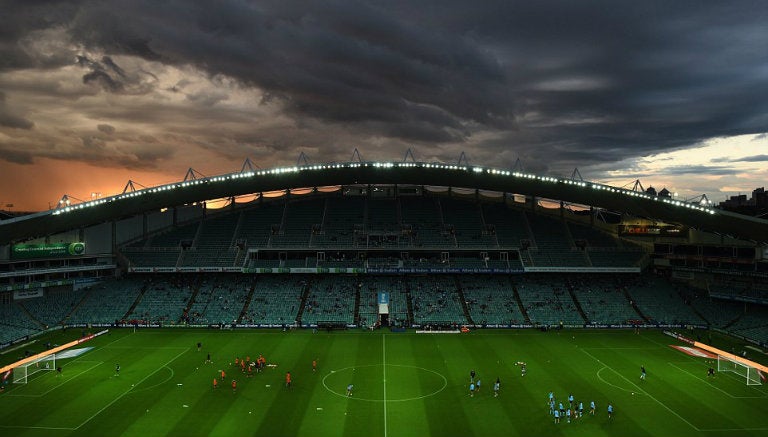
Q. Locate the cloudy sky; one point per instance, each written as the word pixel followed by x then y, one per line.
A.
pixel 94 93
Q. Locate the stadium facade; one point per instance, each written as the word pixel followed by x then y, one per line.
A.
pixel 442 244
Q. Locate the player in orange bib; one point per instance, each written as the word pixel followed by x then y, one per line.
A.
pixel 237 361
pixel 242 366
pixel 234 386
pixel 288 379
pixel 314 365
pixel 215 383
pixel 223 375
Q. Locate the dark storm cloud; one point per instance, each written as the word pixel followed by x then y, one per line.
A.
pixel 753 158
pixel 9 119
pixel 556 83
pixel 107 129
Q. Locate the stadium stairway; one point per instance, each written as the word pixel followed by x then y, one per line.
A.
pixel 86 295
pixel 136 302
pixel 31 317
pixel 303 304
pixel 356 317
pixel 191 302
pixel 634 305
pixel 519 301
pixel 463 301
pixel 409 303
pixel 578 304
pixel 247 303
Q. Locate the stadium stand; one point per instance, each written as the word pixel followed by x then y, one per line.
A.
pixel 398 299
pixel 108 302
pixel 435 300
pixel 661 302
pixel 164 300
pixel 547 302
pixel 52 309
pixel 15 323
pixel 330 299
pixel 491 300
pixel 275 300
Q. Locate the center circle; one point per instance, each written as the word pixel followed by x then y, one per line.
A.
pixel 403 382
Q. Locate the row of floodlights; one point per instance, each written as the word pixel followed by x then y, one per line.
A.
pixel 321 167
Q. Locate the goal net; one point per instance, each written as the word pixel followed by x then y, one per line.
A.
pixel 749 373
pixel 22 373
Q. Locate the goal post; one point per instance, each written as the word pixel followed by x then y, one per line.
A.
pixel 22 373
pixel 753 373
pixel 22 369
pixel 749 373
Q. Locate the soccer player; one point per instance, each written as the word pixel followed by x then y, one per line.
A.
pixel 234 386
pixel 199 345
pixel 237 361
pixel 477 385
pixel 710 372
pixel 570 400
pixel 551 406
pixel 610 410
pixel 314 365
pixel 471 389
pixel 581 409
pixel 522 368
pixel 117 369
pixel 568 415
pixel 58 371
pixel 471 376
pixel 223 375
pixel 215 383
pixel 642 373
pixel 561 408
pixel 349 389
pixel 208 358
pixel 288 379
pixel 592 408
pixel 242 366
pixel 557 416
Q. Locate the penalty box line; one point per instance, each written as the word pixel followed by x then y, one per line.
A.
pixel 644 392
pixel 712 385
pixel 98 363
pixel 131 389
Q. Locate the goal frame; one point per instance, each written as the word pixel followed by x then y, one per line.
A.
pixel 22 373
pixel 749 373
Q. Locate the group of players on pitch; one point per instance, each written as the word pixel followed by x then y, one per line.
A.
pixel 574 411
pixel 475 383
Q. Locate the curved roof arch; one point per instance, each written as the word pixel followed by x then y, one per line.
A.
pixel 595 194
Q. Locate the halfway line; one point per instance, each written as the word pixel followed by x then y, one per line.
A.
pixel 384 365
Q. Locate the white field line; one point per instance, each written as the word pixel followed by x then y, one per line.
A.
pixel 640 390
pixel 714 386
pixel 99 363
pixel 131 389
pixel 384 366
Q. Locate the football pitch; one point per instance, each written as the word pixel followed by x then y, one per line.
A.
pixel 404 384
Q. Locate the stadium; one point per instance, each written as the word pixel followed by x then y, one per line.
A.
pixel 379 287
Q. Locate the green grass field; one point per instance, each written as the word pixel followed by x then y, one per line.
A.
pixel 405 384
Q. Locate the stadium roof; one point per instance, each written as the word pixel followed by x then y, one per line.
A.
pixel 635 203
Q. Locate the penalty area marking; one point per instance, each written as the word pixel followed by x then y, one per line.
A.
pixel 612 385
pixel 415 398
pixel 130 389
pixel 640 390
pixel 156 385
pixel 714 386
pixel 98 363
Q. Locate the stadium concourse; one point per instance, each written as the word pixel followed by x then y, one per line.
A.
pixel 494 248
